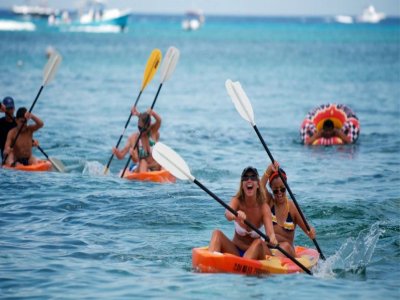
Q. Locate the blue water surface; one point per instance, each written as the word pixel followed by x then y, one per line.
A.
pixel 80 234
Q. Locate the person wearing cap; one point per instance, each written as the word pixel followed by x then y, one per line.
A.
pixel 251 205
pixel 21 153
pixel 7 122
pixel 285 216
pixel 150 135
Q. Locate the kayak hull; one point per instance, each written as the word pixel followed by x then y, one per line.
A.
pixel 40 166
pixel 162 176
pixel 205 261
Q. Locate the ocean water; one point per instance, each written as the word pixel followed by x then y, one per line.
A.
pixel 80 234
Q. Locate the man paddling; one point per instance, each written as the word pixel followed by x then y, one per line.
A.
pixel 7 122
pixel 21 153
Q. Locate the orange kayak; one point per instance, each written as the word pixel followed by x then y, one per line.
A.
pixel 40 166
pixel 162 176
pixel 205 261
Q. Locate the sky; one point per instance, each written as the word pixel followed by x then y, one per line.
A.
pixel 236 7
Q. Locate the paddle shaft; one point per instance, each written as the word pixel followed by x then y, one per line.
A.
pixel 44 153
pixel 288 189
pixel 264 236
pixel 19 129
pixel 140 132
pixel 122 134
pixel 49 159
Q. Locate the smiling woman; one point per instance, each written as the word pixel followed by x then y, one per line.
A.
pixel 285 215
pixel 251 204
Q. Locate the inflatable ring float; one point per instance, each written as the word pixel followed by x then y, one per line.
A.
pixel 342 117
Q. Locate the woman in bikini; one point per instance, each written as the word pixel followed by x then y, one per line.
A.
pixel 251 205
pixel 150 135
pixel 285 215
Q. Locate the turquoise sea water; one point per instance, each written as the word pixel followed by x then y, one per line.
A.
pixel 84 235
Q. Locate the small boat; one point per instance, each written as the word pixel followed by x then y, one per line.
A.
pixel 370 15
pixel 10 25
pixel 95 18
pixel 40 166
pixel 193 20
pixel 344 19
pixel 162 176
pixel 40 11
pixel 205 261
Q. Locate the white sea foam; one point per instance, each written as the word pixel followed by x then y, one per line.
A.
pixel 93 168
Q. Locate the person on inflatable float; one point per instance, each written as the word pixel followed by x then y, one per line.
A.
pixel 285 215
pixel 150 135
pixel 330 124
pixel 251 205
pixel 328 131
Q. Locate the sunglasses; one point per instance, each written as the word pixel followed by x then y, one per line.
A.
pixel 251 177
pixel 282 190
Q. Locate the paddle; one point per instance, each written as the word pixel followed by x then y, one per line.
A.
pixel 57 164
pixel 175 164
pixel 167 68
pixel 49 71
pixel 151 68
pixel 243 106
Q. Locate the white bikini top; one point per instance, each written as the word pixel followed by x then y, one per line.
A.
pixel 243 232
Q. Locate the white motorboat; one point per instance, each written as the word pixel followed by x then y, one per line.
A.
pixel 370 15
pixel 94 19
pixel 344 19
pixel 193 20
pixel 35 11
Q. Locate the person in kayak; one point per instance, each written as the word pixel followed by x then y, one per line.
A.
pixel 285 215
pixel 251 205
pixel 7 122
pixel 328 131
pixel 150 135
pixel 21 153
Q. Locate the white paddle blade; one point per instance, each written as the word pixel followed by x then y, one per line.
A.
pixel 51 67
pixel 240 100
pixel 169 63
pixel 57 164
pixel 171 161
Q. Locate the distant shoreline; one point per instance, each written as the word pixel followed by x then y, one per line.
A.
pixel 7 11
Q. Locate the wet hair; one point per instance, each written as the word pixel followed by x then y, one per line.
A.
pixel 328 125
pixel 21 112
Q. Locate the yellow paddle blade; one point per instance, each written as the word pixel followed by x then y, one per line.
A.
pixel 151 67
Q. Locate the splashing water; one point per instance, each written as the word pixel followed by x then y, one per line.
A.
pixel 353 256
pixel 93 168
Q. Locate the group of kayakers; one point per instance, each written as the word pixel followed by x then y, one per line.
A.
pixel 262 201
pixel 17 151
